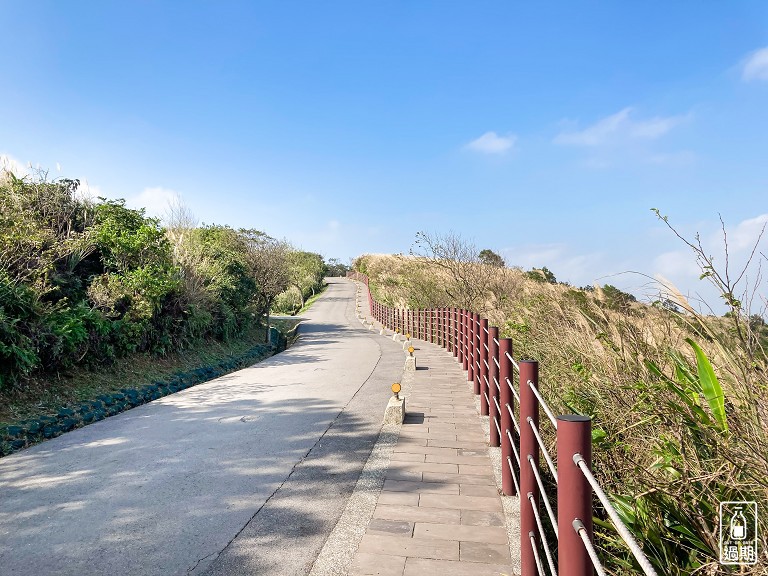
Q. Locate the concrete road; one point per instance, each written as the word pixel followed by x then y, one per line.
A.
pixel 246 474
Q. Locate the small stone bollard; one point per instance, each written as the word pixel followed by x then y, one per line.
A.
pixel 396 335
pixel 410 361
pixel 395 411
pixel 407 343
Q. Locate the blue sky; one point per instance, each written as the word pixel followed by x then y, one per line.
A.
pixel 544 131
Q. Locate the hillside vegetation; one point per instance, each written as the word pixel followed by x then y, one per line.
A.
pixel 85 282
pixel 679 401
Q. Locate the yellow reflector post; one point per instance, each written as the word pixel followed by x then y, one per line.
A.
pixel 396 387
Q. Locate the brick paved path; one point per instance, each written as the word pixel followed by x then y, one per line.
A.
pixel 439 511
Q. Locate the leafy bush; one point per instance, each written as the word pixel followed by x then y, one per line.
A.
pixel 85 282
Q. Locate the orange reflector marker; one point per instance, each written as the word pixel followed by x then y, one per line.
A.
pixel 411 349
pixel 408 336
pixel 396 387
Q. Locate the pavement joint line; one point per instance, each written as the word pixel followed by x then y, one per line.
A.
pixel 317 443
pixel 338 552
pixel 341 547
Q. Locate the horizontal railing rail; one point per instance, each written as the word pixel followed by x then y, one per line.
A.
pixel 490 365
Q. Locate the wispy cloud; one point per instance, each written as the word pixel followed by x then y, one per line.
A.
pixel 156 200
pixel 756 66
pixel 619 127
pixel 492 143
pixel 11 164
pixel 560 259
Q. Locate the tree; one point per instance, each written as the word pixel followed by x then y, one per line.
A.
pixel 543 274
pixel 490 258
pixel 470 280
pixel 268 266
pixel 306 271
pixel 335 267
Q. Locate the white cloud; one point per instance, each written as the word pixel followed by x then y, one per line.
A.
pixel 11 164
pixel 743 237
pixel 756 66
pixel 681 267
pixel 676 264
pixel 492 143
pixel 155 200
pixel 577 269
pixel 619 127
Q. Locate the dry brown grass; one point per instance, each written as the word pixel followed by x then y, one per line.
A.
pixel 666 460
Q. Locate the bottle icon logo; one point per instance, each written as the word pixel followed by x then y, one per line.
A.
pixel 738 525
pixel 738 533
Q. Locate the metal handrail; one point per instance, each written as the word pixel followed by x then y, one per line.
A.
pixel 581 530
pixel 514 449
pixel 512 472
pixel 543 448
pixel 623 531
pixel 515 364
pixel 540 568
pixel 543 404
pixel 514 392
pixel 547 505
pixel 514 420
pixel 544 542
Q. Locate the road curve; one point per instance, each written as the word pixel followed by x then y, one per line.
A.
pixel 246 474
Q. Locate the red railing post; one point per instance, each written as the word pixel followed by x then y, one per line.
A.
pixel 446 314
pixel 461 337
pixel 417 313
pixel 574 501
pixel 476 353
pixel 447 328
pixel 507 409
pixel 484 366
pixel 455 332
pixel 493 385
pixel 468 353
pixel 529 457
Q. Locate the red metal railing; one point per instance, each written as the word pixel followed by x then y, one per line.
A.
pixel 513 409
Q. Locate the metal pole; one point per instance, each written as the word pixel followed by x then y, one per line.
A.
pixel 471 331
pixel 574 501
pixel 475 357
pixel 493 378
pixel 455 332
pixel 529 456
pixel 483 366
pixel 507 405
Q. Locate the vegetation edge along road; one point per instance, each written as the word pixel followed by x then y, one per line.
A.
pixel 99 402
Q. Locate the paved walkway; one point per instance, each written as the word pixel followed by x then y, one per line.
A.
pixel 246 474
pixel 439 511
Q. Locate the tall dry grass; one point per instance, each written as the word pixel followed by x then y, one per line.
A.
pixel 660 448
